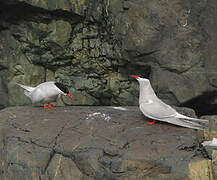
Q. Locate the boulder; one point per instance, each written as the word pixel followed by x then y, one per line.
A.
pixel 96 143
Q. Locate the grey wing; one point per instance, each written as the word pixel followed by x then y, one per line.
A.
pixel 157 110
pixel 46 84
pixel 165 113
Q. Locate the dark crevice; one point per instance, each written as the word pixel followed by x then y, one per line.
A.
pixel 138 55
pixel 2 27
pixel 14 125
pixel 15 12
pixel 139 63
pixel 142 71
pixel 18 164
pixel 54 67
pixel 52 154
pixel 2 67
pixel 204 104
pixel 2 107
pixel 203 152
pixel 188 148
pixel 53 150
pixel 30 142
pixel 58 135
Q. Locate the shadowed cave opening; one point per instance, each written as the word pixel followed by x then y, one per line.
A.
pixel 12 12
pixel 205 104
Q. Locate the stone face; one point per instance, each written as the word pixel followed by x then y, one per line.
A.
pixel 95 143
pixel 100 43
pixel 3 89
pixel 60 32
pixel 173 40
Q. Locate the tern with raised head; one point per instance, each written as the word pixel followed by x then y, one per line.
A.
pixel 152 107
pixel 46 92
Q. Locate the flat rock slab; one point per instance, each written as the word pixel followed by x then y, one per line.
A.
pixel 91 143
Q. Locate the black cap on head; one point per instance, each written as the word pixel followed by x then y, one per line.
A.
pixel 62 87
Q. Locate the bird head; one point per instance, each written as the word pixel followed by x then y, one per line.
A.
pixel 64 90
pixel 69 95
pixel 139 78
pixel 135 76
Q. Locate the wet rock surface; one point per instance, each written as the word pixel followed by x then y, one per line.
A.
pixel 95 143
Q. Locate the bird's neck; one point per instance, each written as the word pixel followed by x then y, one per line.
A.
pixel 146 92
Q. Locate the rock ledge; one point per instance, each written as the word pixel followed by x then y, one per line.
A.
pixel 94 143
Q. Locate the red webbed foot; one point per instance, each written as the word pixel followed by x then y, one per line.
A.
pixel 49 106
pixel 45 107
pixel 151 122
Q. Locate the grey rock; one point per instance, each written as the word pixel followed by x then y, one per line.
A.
pixel 3 89
pixel 92 143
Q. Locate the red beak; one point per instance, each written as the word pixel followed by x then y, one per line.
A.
pixel 134 76
pixel 70 97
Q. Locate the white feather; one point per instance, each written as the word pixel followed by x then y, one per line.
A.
pixel 45 92
pixel 28 88
pixel 152 107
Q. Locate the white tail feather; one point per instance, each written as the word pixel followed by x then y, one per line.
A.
pixel 188 124
pixel 27 93
pixel 193 119
pixel 27 88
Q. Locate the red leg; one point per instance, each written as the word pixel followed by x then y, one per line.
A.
pixel 50 106
pixel 151 122
pixel 45 107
